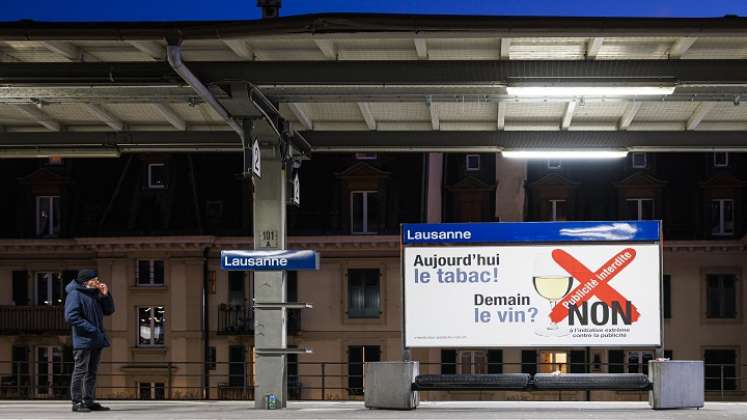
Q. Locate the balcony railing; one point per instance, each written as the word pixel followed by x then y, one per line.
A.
pixel 239 320
pixel 32 320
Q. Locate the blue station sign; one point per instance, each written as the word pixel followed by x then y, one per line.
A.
pixel 239 260
pixel 548 232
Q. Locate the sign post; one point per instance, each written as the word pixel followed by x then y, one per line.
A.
pixel 554 284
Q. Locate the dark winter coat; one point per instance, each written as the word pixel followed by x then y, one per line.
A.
pixel 85 310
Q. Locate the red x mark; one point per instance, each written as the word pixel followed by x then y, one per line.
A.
pixel 602 290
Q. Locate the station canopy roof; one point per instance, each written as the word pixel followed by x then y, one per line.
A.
pixel 351 82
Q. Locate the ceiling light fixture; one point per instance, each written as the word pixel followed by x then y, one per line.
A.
pixel 573 91
pixel 564 154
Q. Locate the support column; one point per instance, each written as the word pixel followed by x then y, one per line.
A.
pixel 269 286
pixel 434 200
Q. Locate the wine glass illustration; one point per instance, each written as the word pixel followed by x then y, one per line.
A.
pixel 553 286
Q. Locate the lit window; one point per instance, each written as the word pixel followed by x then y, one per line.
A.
pixel 722 217
pixel 48 215
pixel 639 160
pixel 151 326
pixel 640 208
pixel 553 361
pixel 554 164
pixel 473 162
pixel 364 211
pixel 720 159
pixel 49 289
pixel 157 175
pixel 149 273
pixel 558 210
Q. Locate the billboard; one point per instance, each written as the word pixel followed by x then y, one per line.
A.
pixel 554 284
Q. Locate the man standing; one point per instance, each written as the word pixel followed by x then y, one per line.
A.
pixel 88 301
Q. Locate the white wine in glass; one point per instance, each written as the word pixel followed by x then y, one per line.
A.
pixel 552 288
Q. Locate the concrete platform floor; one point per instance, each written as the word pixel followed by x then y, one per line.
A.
pixel 524 410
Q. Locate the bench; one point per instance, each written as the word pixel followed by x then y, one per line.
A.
pixel 672 384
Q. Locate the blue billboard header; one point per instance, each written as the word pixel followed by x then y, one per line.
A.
pixel 513 232
pixel 237 260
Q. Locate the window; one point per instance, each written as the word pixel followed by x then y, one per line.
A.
pixel 448 362
pixel 639 160
pixel 156 175
pixel 236 288
pixel 357 356
pixel 48 216
pixel 553 361
pixel 49 289
pixel 529 361
pixel 151 326
pixel 365 156
pixel 615 361
pixel 236 365
pixel 720 159
pixel 473 362
pixel 720 368
pixel 364 294
pixel 20 287
pixel 558 210
pixel 364 211
pixel 667 286
pixel 473 162
pixel 638 361
pixel 150 273
pixel 722 217
pixel 640 208
pixel 578 362
pixel 210 359
pixel 151 391
pixel 721 296
pixel 214 211
pixel 49 371
pixel 495 361
pixel 554 164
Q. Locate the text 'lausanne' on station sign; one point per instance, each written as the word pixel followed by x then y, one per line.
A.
pixel 277 260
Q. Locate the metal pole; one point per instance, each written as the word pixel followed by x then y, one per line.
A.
pixel 722 382
pixel 323 376
pixel 169 380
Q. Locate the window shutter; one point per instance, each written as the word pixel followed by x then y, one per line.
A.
pixel 21 287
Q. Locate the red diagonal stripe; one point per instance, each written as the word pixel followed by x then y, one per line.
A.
pixel 602 290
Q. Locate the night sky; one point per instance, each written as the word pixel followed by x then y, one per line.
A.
pixel 154 10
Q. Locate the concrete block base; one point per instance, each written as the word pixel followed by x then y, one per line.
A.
pixel 388 385
pixel 676 384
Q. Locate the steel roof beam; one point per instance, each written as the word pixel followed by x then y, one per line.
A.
pixel 240 47
pixel 367 115
pixel 379 73
pixel 40 117
pixel 105 116
pixel 151 48
pixel 593 46
pixel 699 114
pixel 680 47
pixel 171 116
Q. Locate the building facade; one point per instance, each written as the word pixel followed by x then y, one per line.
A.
pixel 153 226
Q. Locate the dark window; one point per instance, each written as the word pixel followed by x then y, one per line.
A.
pixel 214 211
pixel 357 356
pixel 364 211
pixel 144 390
pixel 159 391
pixel 294 383
pixel 150 273
pixel 210 358
pixel 722 217
pixel 557 210
pixel 578 361
pixel 495 361
pixel 638 361
pixel 20 287
pixel 669 354
pixel 151 391
pixel 529 361
pixel 157 175
pixel 638 160
pixel 640 208
pixel 236 288
pixel 721 296
pixel 667 286
pixel 720 159
pixel 720 368
pixel 49 289
pixel 236 366
pixel 48 216
pixel 363 293
pixel 448 362
pixel 473 162
pixel 616 361
pixel 20 365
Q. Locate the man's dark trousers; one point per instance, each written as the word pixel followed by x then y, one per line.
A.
pixel 83 381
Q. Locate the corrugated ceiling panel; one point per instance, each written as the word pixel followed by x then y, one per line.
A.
pixel 404 126
pixel 71 114
pixel 374 44
pixel 200 113
pixel 627 49
pixel 9 115
pixel 726 111
pixel 137 113
pixel 208 54
pixel 599 111
pixel 463 54
pixel 467 125
pixel 665 111
pixel 467 111
pixel 285 54
pixel 333 112
pixel 399 111
pixel 119 54
pixel 547 48
pixel 378 54
pixel 534 111
pixel 718 48
pixel 339 126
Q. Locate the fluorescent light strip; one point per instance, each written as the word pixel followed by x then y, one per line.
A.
pixel 564 154
pixel 571 91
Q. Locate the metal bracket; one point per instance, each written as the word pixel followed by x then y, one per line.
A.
pixel 280 305
pixel 271 352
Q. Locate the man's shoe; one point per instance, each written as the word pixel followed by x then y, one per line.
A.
pixel 97 407
pixel 81 408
